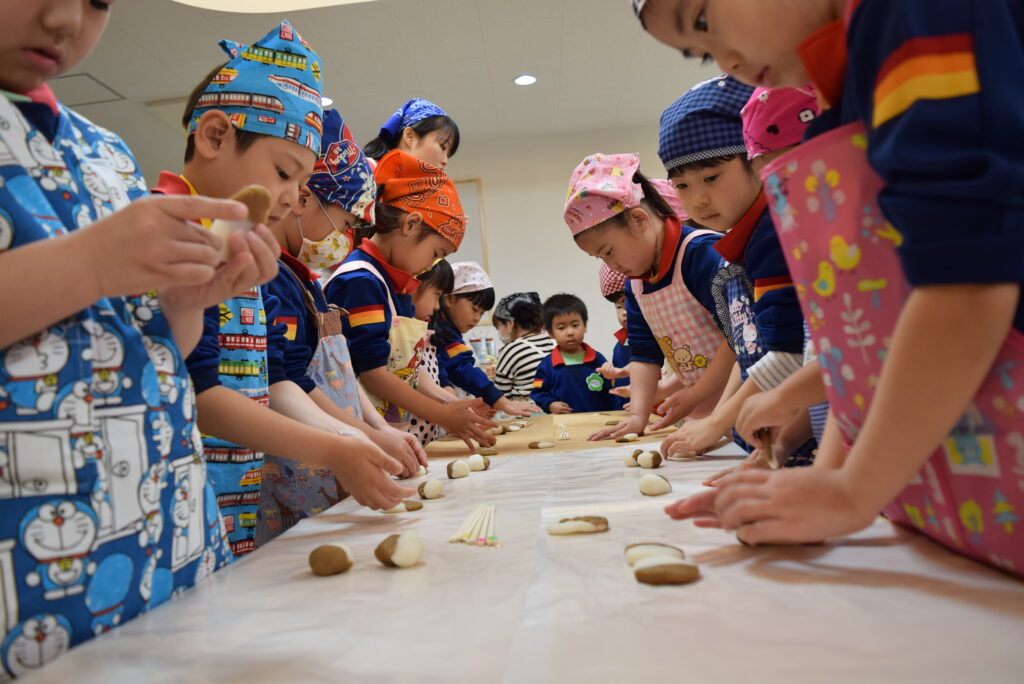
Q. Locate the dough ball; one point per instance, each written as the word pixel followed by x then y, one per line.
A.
pixel 478 462
pixel 630 459
pixel 631 437
pixel 457 469
pixel 400 550
pixel 654 485
pixel 638 552
pixel 330 559
pixel 582 524
pixel 662 570
pixel 431 489
pixel 513 428
pixel 541 445
pixel 488 451
pixel 496 431
pixel 257 201
pixel 404 506
pixel 421 472
pixel 649 459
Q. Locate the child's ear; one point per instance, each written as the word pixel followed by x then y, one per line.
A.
pixel 408 138
pixel 214 135
pixel 641 220
pixel 411 223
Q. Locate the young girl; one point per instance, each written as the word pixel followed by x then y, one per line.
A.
pixel 471 297
pixel 419 128
pixel 517 318
pixel 616 214
pixel 337 199
pixel 613 288
pixel 418 220
pixel 924 385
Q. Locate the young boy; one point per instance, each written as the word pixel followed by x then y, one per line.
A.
pixel 568 381
pixel 613 289
pixel 238 365
pixel 105 507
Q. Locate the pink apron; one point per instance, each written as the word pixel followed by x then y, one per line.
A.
pixel 842 255
pixel 686 332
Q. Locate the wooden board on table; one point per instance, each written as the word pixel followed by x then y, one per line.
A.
pixel 539 429
pixel 581 425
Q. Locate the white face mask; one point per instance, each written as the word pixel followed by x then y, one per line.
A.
pixel 327 253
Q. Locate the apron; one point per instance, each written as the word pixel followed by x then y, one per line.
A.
pixel 407 339
pixel 842 254
pixel 425 431
pixel 684 329
pixel 105 508
pixel 293 490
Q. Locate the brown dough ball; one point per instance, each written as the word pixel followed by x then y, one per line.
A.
pixel 330 559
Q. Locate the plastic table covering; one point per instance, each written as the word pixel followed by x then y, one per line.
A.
pixel 885 605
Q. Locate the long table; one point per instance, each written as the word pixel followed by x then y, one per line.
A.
pixel 885 605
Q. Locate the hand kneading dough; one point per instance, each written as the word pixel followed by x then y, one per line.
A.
pixel 478 462
pixel 583 524
pixel 330 559
pixel 654 485
pixel 649 459
pixel 400 550
pixel 638 552
pixel 457 469
pixel 431 489
pixel 662 570
pixel 630 459
pixel 631 437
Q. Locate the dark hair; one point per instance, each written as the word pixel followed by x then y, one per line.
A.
pixel 383 143
pixel 443 318
pixel 560 304
pixel 388 219
pixel 710 163
pixel 525 314
pixel 614 297
pixel 440 276
pixel 652 200
pixel 243 139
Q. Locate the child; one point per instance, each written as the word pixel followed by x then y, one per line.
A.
pixel 917 123
pixel 517 317
pixel 613 288
pixel 418 220
pixel 755 299
pixel 419 128
pixel 471 297
pixel 620 216
pixel 434 284
pixel 238 364
pixel 337 200
pixel 106 509
pixel 568 380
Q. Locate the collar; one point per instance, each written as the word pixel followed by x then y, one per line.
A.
pixel 41 95
pixel 824 54
pixel 403 281
pixel 171 183
pixel 733 243
pixel 300 269
pixel 589 355
pixel 622 335
pixel 669 243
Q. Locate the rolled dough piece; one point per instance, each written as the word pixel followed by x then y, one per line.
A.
pixel 431 489
pixel 630 459
pixel 457 469
pixel 496 431
pixel 404 506
pixel 649 460
pixel 541 445
pixel 631 437
pixel 488 451
pixel 400 550
pixel 257 201
pixel 662 570
pixel 421 472
pixel 654 485
pixel 638 552
pixel 513 428
pixel 478 462
pixel 330 559
pixel 582 524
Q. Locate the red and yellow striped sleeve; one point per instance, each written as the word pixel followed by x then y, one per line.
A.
pixel 291 323
pixel 932 68
pixel 538 383
pixel 366 315
pixel 456 348
pixel 764 285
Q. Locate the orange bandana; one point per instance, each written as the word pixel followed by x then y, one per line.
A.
pixel 414 185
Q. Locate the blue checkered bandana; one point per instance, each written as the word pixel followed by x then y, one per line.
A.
pixel 411 112
pixel 272 87
pixel 704 123
pixel 342 176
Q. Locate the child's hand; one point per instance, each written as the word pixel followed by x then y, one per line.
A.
pixel 763 410
pixel 756 459
pixel 696 436
pixel 610 372
pixel 152 244
pixel 676 407
pixel 396 444
pixel 699 507
pixel 362 469
pixel 559 408
pixel 630 424
pixel 461 418
pixel 517 408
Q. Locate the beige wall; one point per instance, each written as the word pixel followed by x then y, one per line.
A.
pixel 524 181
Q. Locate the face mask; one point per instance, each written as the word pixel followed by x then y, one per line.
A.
pixel 326 253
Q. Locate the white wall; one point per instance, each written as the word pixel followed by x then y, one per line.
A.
pixel 524 182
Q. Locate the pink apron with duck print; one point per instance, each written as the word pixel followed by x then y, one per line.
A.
pixel 842 255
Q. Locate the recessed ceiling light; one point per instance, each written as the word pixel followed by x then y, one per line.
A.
pixel 525 79
pixel 326 101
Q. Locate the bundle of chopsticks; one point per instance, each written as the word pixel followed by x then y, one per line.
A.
pixel 478 528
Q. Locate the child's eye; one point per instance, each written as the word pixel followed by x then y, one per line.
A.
pixel 700 22
pixel 101 6
pixel 705 59
pixel 281 173
pixel 680 186
pixel 711 179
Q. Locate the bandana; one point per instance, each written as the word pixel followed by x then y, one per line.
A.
pixel 704 123
pixel 341 175
pixel 611 281
pixel 273 87
pixel 505 310
pixel 776 119
pixel 414 185
pixel 470 277
pixel 410 113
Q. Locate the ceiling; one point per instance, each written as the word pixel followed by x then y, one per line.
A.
pixel 596 69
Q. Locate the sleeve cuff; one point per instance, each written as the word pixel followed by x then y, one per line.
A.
pixel 204 378
pixel 773 369
pixel 492 395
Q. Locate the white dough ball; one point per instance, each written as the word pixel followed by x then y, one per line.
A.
pixel 400 550
pixel 457 469
pixel 654 485
pixel 638 552
pixel 431 489
pixel 479 462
